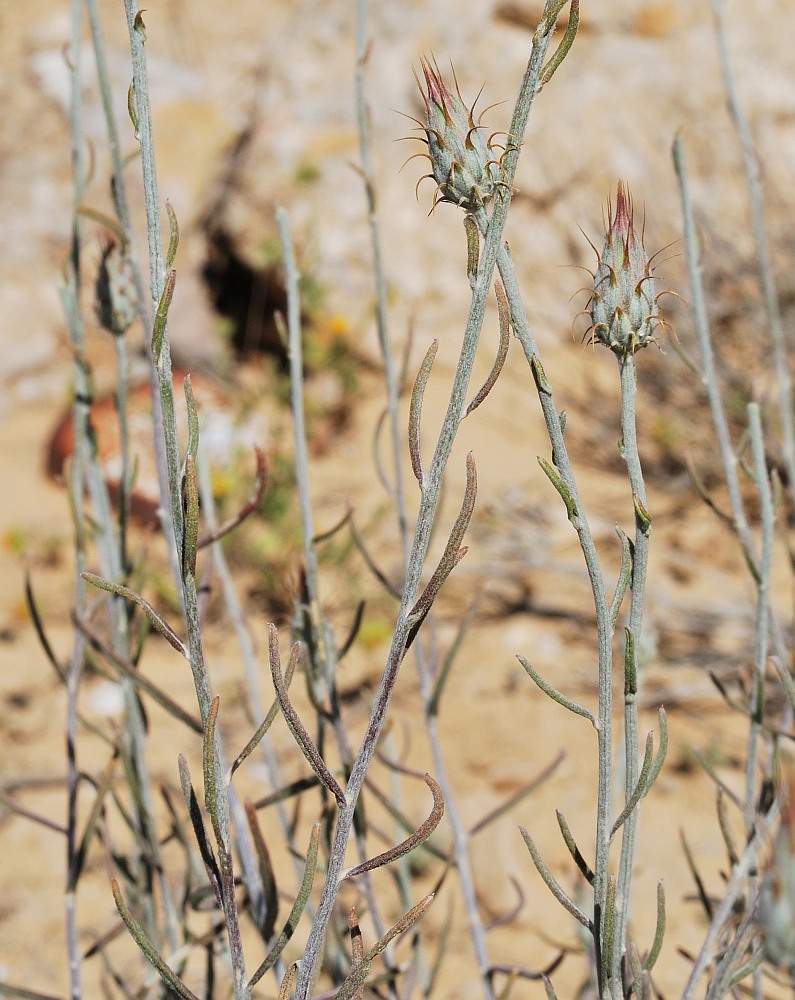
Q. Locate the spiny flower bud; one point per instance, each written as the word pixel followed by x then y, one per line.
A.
pixel 623 304
pixel 463 164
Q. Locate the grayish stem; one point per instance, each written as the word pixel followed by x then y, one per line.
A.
pixel 425 519
pixel 633 670
pixel 770 295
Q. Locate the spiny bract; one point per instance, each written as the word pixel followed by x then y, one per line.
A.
pixel 463 162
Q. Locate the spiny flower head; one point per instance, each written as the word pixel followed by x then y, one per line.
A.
pixel 623 305
pixel 463 163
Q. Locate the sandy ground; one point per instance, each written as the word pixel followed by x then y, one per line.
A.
pixel 638 72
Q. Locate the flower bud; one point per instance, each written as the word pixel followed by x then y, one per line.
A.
pixel 117 301
pixel 623 305
pixel 464 167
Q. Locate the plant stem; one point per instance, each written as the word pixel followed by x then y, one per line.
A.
pixel 425 519
pixel 604 626
pixel 629 449
pixel 382 322
pixel 753 177
pixel 77 490
pixel 709 378
pixel 767 519
pixel 121 203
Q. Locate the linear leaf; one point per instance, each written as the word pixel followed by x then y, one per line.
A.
pixel 358 975
pixel 133 674
pixel 556 695
pixel 574 851
pixel 199 831
pixel 640 787
pixel 552 884
pixel 155 620
pixel 166 974
pixel 298 908
pixel 294 723
pixel 248 508
pixel 265 871
pixel 659 931
pixel 502 350
pixel 452 554
pixel 415 412
pixel 421 834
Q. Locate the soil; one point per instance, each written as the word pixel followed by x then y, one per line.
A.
pixel 254 107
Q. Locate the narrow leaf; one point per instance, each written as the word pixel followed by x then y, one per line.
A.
pixel 502 350
pixel 38 625
pixel 357 948
pixel 630 665
pixel 288 982
pixel 382 578
pixel 97 806
pixel 149 950
pixel 199 831
pixel 190 499
pixel 556 695
pixel 659 760
pixel 637 969
pixel 7 990
pixel 659 931
pixel 706 902
pixel 193 418
pixel 287 791
pixel 640 788
pixel 295 725
pixel 608 938
pixel 126 669
pixel 701 489
pixel 298 908
pixel 418 837
pixel 415 412
pixel 265 871
pixel 452 554
pixel 354 631
pixel 539 376
pixel 211 790
pixel 728 839
pixel 574 851
pixel 553 476
pixel 720 783
pixel 173 239
pixel 161 316
pixel 400 818
pixel 624 577
pixel 248 508
pixel 642 515
pixel 566 43
pixel 154 619
pixel 357 977
pixel 132 110
pixel 266 723
pixel 473 249
pixel 554 887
